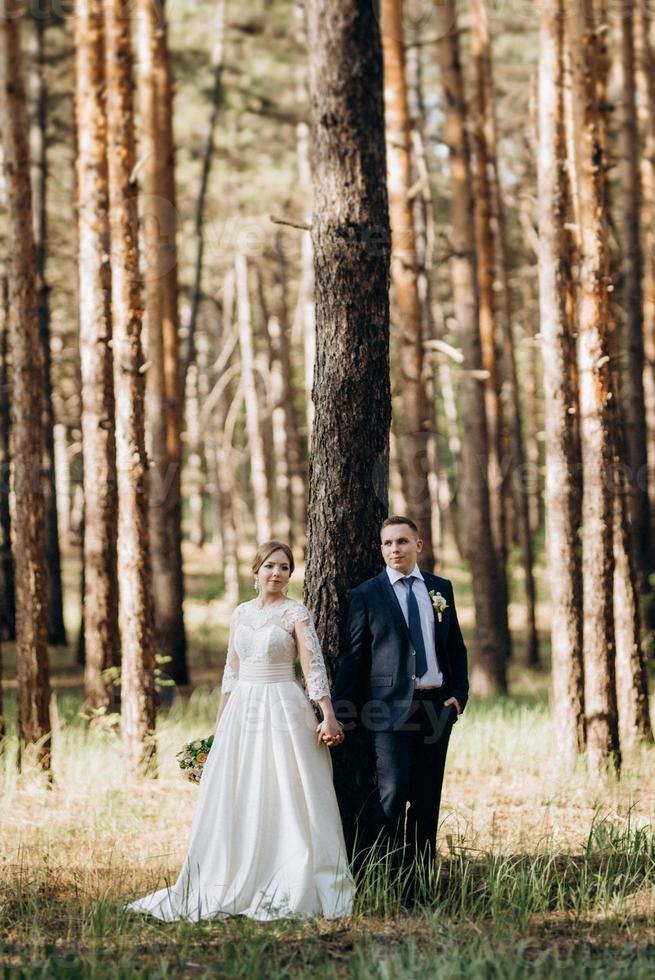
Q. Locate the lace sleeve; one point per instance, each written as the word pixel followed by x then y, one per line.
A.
pixel 231 672
pixel 311 657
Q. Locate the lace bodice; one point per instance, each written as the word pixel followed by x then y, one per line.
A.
pixel 267 635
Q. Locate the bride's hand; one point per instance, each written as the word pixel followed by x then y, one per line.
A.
pixel 330 732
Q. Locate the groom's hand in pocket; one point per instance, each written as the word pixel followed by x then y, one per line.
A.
pixel 455 703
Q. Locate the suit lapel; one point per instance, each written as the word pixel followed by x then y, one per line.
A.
pixel 391 599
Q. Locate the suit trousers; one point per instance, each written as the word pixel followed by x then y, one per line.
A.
pixel 410 766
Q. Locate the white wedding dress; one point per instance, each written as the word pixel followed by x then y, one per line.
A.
pixel 266 839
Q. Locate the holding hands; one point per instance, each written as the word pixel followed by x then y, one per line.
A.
pixel 329 731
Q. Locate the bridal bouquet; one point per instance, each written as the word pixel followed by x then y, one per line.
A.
pixel 193 756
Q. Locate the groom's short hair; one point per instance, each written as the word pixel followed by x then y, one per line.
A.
pixel 399 519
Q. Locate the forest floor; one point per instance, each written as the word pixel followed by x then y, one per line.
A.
pixel 544 871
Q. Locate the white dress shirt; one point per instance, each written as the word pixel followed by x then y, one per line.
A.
pixel 433 677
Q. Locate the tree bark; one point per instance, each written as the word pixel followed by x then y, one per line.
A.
pixel 633 402
pixel 101 640
pixel 39 182
pixel 492 640
pixel 163 381
pixel 26 404
pixel 595 393
pixel 416 414
pixel 486 265
pixel 350 234
pixel 645 79
pixel 562 490
pixel 7 584
pixel 136 620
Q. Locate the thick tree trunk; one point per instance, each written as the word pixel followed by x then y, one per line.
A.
pixel 558 350
pixel 486 266
pixel 26 402
pixel 136 609
pixel 261 493
pixel 594 313
pixel 98 439
pixel 7 585
pixel 633 402
pixel 350 234
pixel 416 414
pixel 163 400
pixel 39 175
pixel 492 640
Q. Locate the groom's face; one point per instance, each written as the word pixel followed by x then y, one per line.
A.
pixel 400 547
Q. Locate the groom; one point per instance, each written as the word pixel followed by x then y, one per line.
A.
pixel 403 676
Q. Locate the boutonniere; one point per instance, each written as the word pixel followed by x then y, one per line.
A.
pixel 438 602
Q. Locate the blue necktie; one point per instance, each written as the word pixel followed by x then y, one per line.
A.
pixel 415 631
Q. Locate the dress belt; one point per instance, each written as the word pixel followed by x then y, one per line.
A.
pixel 265 673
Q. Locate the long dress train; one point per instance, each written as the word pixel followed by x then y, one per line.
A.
pixel 266 839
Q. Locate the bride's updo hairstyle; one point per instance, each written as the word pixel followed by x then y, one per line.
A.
pixel 266 549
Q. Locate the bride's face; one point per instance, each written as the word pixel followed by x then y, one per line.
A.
pixel 274 573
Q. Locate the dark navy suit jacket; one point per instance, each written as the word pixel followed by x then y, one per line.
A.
pixel 374 683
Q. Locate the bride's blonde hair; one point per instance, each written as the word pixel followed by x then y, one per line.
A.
pixel 266 549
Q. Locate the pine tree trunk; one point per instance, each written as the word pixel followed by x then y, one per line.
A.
pixel 486 265
pixel 350 234
pixel 205 170
pixel 135 583
pixel 163 401
pixel 26 403
pixel 632 266
pixel 593 314
pixel 263 521
pixel 98 410
pixel 174 380
pixel 7 585
pixel 645 79
pixel 39 175
pixel 416 414
pixel 631 677
pixel 562 450
pixel 423 214
pixel 492 640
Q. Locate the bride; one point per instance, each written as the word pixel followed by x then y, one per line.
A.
pixel 266 839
